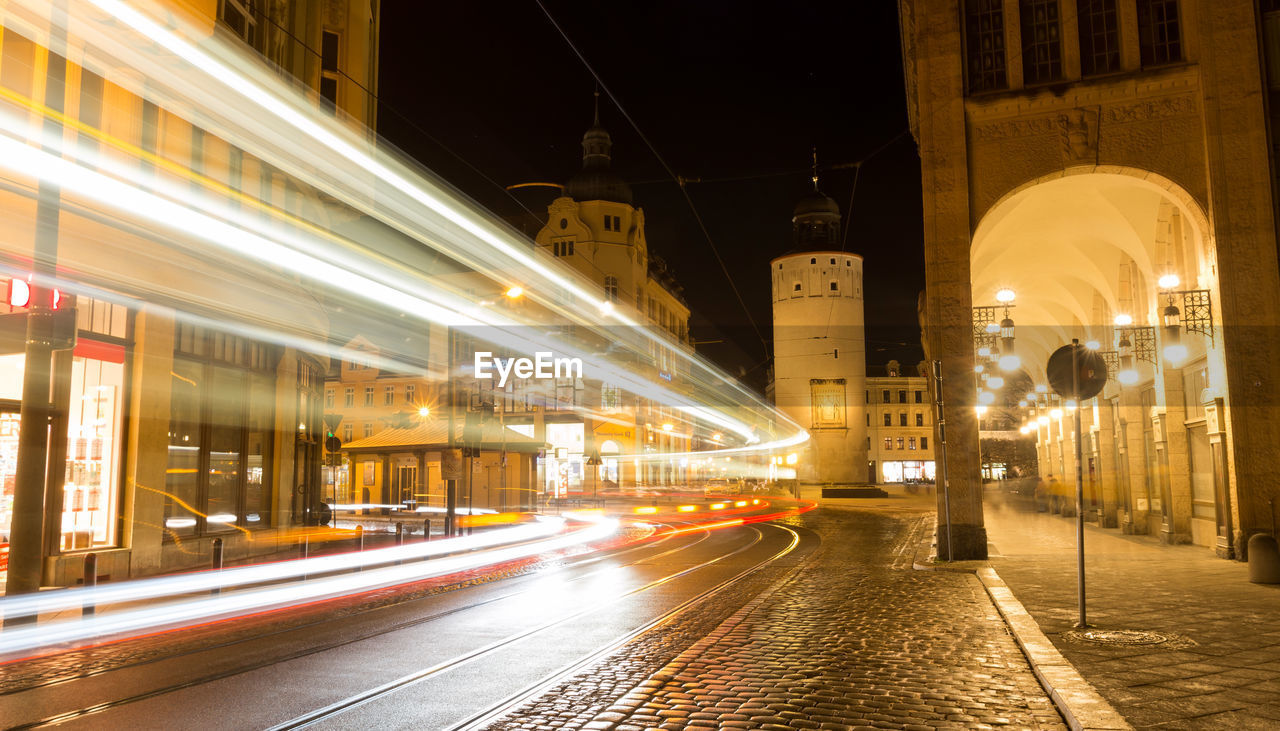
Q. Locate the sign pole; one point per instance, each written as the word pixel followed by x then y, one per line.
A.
pixel 942 452
pixel 1075 393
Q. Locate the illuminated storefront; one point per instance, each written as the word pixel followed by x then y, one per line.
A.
pixel 907 471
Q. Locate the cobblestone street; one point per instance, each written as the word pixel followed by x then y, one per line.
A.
pixel 850 638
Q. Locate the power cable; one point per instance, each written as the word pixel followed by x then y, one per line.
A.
pixel 662 161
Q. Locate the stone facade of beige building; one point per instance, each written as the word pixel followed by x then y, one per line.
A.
pixel 1111 162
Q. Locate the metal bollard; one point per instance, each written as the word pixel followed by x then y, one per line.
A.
pixel 217 562
pixel 360 544
pixel 90 579
pixel 426 530
pixel 399 534
pixel 304 548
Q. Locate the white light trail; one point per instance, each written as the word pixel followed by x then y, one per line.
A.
pixel 227 604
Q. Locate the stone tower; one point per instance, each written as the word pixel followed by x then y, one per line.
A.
pixel 818 344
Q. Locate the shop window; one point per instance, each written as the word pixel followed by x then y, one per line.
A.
pixel 220 433
pixel 1041 41
pixel 984 45
pixel 1099 36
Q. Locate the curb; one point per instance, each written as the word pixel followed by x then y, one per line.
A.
pixel 1081 706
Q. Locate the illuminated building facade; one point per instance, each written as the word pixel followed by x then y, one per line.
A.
pixel 1108 163
pixel 899 423
pixel 597 229
pixel 818 344
pixel 173 424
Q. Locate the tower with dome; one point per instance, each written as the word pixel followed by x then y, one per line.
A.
pixel 819 344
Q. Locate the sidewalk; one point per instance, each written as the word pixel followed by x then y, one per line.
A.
pixel 1220 667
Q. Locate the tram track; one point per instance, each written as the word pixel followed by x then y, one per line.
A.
pixel 94 709
pixel 494 711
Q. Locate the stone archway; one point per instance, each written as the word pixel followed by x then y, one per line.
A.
pixel 1080 248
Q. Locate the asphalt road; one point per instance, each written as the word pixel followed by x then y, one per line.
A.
pixel 432 662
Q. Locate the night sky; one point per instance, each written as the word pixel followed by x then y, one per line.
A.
pixel 733 93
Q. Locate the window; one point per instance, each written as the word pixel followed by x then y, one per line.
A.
pixel 888 419
pixel 919 419
pixel 349 397
pixel 562 248
pixel 868 419
pixel 835 287
pixel 884 396
pixel 924 442
pixel 888 443
pixel 346 433
pixel 389 396
pixel 329 68
pixel 902 418
pixel 1159 32
pixel 368 395
pixel 911 442
pixel 238 15
pixel 900 440
pixel 902 396
pixel 813 260
pixel 1099 36
pixel 608 223
pixel 984 45
pixel 919 397
pixel 1041 41
pixel 368 429
pixel 611 288
pixel 796 287
pixel 612 223
pixel 410 394
pixel 328 398
pixel 221 427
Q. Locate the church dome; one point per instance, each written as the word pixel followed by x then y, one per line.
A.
pixel 816 203
pixel 597 181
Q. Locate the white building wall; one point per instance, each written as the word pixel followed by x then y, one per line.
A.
pixel 818 340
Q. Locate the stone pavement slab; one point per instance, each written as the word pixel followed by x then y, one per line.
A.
pixel 853 638
pixel 1219 668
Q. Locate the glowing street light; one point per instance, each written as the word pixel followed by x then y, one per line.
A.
pixel 515 292
pixel 1005 295
pixel 424 411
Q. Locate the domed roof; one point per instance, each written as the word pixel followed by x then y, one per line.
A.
pixel 816 202
pixel 598 185
pixel 597 181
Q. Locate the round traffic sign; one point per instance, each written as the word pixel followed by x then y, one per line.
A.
pixel 1090 375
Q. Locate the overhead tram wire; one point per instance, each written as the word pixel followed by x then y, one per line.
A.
pixel 679 181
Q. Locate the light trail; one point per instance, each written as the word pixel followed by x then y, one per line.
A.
pixel 27 639
pixel 433 214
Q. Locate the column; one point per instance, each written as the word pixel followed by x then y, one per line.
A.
pixel 1177 527
pixel 1137 512
pixel 1108 470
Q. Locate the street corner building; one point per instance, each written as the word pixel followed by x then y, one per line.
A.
pixel 1104 171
